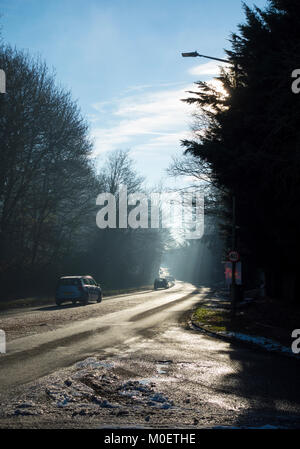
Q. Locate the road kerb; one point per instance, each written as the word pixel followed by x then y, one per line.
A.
pixel 248 340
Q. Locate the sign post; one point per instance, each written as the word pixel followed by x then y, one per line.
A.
pixel 233 277
pixel 234 257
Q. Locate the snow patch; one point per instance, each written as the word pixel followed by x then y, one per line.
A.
pixel 93 363
pixel 267 343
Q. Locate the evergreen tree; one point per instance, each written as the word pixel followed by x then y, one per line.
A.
pixel 251 139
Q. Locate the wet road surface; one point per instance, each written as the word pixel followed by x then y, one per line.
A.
pixel 143 366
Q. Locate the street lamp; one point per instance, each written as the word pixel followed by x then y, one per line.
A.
pixel 194 54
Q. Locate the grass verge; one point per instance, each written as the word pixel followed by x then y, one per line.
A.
pixel 264 318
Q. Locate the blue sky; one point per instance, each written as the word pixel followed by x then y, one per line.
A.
pixel 121 60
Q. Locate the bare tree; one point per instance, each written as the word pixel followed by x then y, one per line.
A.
pixel 46 179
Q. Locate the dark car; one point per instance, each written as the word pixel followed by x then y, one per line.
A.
pixel 161 283
pixel 77 288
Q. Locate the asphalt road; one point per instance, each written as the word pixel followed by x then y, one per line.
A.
pixel 142 339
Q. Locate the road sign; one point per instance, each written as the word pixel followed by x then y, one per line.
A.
pixel 228 273
pixel 233 256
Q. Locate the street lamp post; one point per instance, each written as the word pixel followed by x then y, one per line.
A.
pixel 195 54
pixel 233 263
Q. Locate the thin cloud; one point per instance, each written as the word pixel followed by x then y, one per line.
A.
pixel 142 87
pixel 156 119
pixel 210 68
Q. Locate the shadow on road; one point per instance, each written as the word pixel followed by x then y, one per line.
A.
pixel 62 307
pixel 267 383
